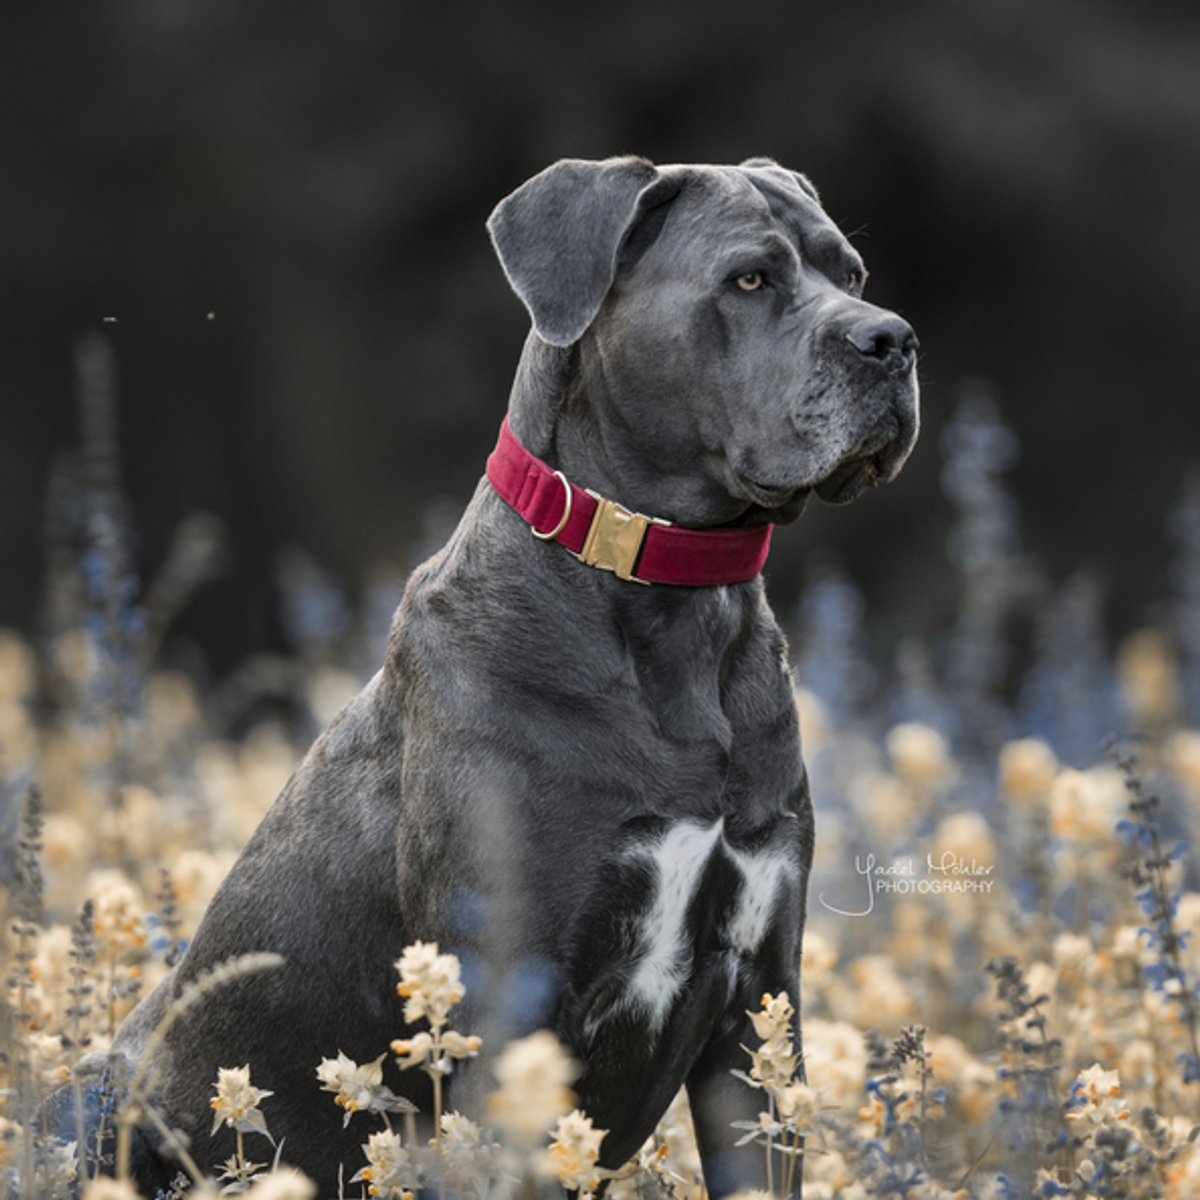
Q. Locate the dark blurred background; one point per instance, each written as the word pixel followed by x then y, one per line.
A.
pixel 274 213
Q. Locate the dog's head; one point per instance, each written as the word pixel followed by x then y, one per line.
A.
pixel 722 349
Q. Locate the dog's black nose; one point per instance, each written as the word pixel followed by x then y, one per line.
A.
pixel 885 337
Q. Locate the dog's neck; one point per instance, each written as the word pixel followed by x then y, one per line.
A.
pixel 603 533
pixel 554 414
pixel 536 403
pixel 549 416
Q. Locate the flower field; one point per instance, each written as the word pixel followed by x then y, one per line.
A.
pixel 1000 984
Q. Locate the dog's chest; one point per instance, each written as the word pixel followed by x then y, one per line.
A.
pixel 702 903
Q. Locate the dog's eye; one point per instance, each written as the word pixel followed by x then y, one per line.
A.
pixel 855 281
pixel 751 281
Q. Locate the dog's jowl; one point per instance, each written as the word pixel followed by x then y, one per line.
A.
pixel 579 768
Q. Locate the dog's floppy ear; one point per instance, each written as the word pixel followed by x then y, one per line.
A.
pixel 769 164
pixel 559 235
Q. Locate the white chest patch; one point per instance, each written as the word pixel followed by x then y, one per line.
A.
pixel 762 874
pixel 679 858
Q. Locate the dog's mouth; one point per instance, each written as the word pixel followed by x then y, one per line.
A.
pixel 878 460
pixel 768 495
pixel 848 480
pixel 769 503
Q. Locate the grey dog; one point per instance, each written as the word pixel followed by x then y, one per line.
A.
pixel 589 789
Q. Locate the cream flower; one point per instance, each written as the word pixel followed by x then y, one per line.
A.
pixel 773 1021
pixel 460 1045
pixel 48 1057
pixel 1139 1062
pixel 429 982
pixel 774 1064
pixel 1187 917
pixel 881 997
pixel 886 803
pixel 1041 979
pixel 1028 769
pixel 573 1153
pixel 1146 663
pixel 1126 943
pixel 820 958
pixel 1072 950
pixel 458 1130
pixel 835 1059
pixel 413 1051
pixel 67 844
pixel 435 1051
pixel 1182 752
pixel 359 1089
pixel 1075 958
pixel 104 1188
pixel 472 1161
pixel 796 1102
pixel 236 1102
pixel 119 919
pixel 774 1061
pixel 814 728
pixel 1096 1097
pixel 388 1167
pixel 920 755
pixel 535 1074
pixel 676 1139
pixel 1183 1178
pixel 278 1185
pixel 196 875
pixel 965 840
pixel 974 1081
pixel 1086 805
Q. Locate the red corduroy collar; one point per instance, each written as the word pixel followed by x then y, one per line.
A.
pixel 601 533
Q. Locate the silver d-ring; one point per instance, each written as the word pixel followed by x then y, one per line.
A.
pixel 549 537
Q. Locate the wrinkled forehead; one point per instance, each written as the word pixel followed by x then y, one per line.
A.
pixel 749 201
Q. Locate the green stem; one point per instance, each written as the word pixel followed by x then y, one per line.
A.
pixel 794 1158
pixel 436 1076
pixel 171 1140
pixel 770 1163
pixel 112 991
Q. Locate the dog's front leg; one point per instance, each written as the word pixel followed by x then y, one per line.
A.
pixel 726 1106
pixel 718 1099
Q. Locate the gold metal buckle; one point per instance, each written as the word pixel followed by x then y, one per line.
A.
pixel 615 538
